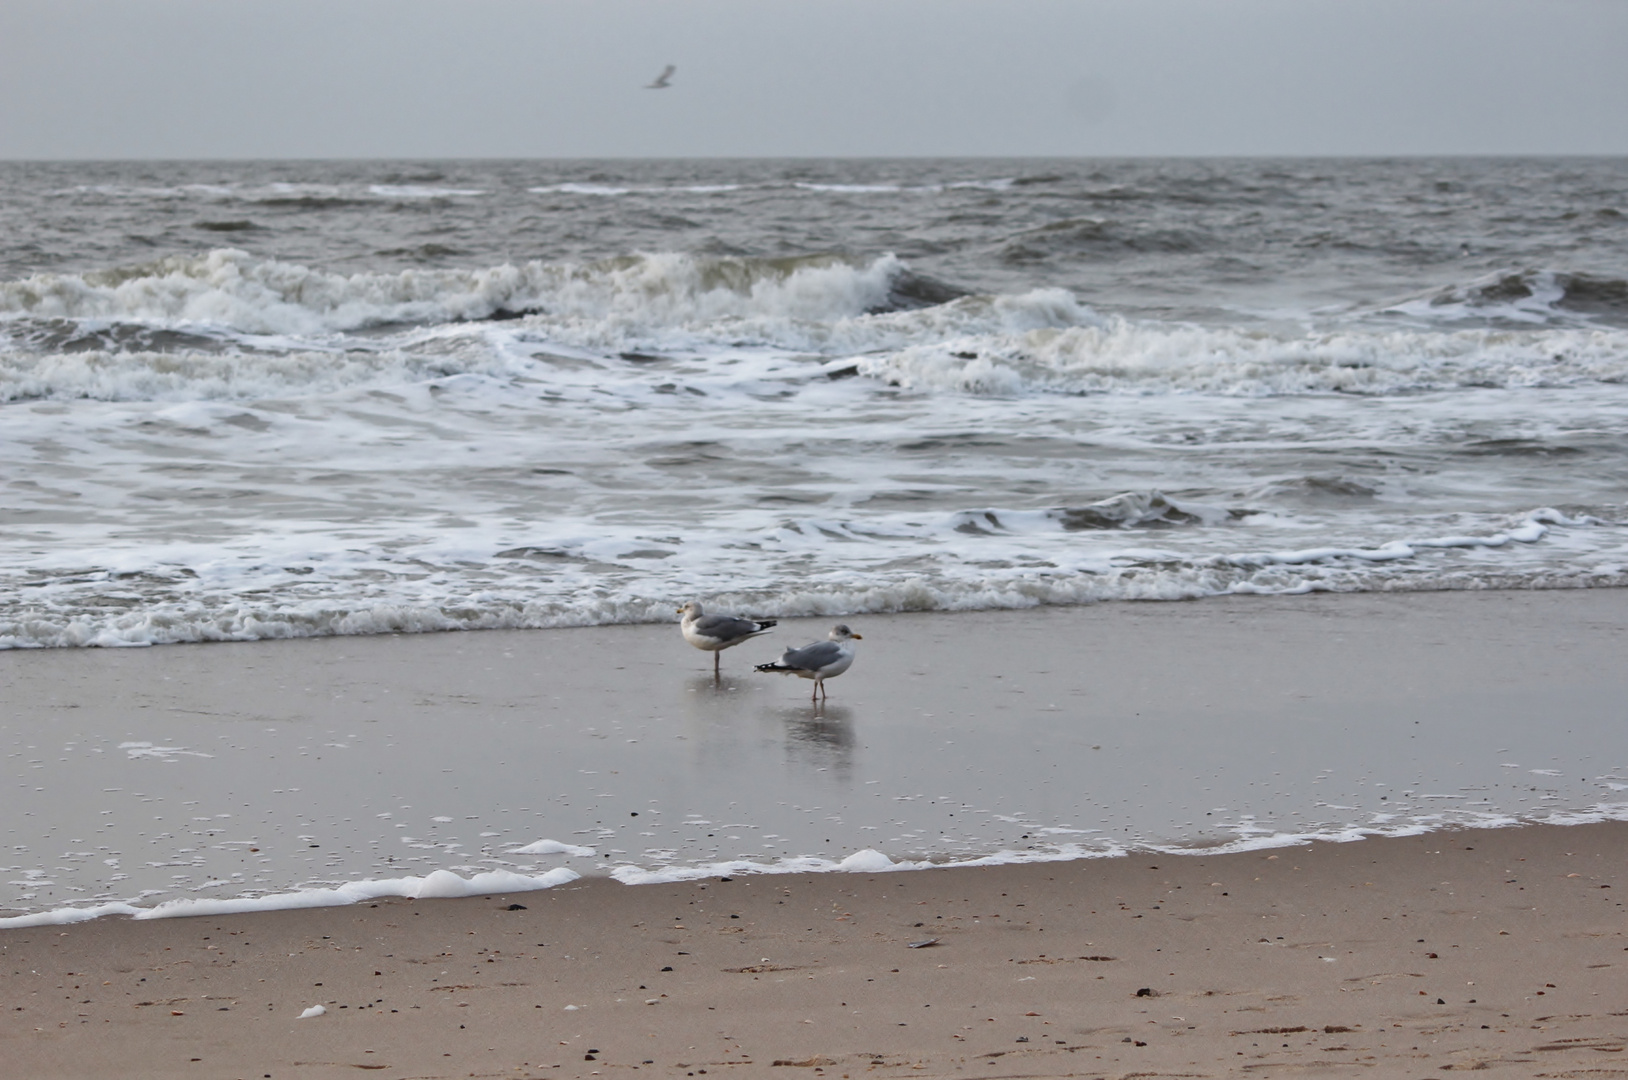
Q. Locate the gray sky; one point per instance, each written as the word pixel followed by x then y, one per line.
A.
pixel 565 78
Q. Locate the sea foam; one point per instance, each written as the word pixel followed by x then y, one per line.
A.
pixel 245 326
pixel 439 884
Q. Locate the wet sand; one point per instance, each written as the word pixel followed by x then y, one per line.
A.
pixel 213 770
pixel 1499 950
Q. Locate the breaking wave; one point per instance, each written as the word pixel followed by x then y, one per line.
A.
pixel 1526 297
pixel 231 290
pixel 599 581
pixel 225 323
pixel 1121 356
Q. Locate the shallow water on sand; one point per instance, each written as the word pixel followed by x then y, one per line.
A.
pixel 218 772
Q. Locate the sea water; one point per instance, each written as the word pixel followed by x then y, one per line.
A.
pixel 245 401
pixel 256 400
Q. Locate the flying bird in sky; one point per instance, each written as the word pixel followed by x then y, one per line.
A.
pixel 664 80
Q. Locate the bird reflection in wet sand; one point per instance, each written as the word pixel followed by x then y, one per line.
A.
pixel 824 740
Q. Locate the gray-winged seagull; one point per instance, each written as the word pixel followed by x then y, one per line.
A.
pixel 820 661
pixel 715 633
pixel 664 80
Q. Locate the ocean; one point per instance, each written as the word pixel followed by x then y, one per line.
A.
pixel 245 400
pixel 275 400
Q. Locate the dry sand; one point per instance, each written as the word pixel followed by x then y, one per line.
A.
pixel 1502 950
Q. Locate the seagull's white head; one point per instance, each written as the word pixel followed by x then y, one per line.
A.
pixel 840 632
pixel 693 609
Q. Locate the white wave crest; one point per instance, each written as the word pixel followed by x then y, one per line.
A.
pixel 421 191
pixel 228 376
pixel 1120 356
pixel 76 611
pixel 232 290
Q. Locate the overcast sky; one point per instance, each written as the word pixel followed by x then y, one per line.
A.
pixel 565 78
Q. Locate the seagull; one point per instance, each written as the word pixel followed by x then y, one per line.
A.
pixel 820 661
pixel 664 80
pixel 715 633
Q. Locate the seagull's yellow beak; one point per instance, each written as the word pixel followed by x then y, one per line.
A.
pixel 857 637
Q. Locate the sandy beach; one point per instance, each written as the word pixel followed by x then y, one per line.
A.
pixel 1407 956
pixel 1486 949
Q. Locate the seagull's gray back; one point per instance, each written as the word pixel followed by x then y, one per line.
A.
pixel 724 627
pixel 812 657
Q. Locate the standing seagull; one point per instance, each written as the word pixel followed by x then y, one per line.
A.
pixel 820 661
pixel 715 633
pixel 664 80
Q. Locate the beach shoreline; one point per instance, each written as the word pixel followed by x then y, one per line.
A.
pixel 1056 732
pixel 1496 949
